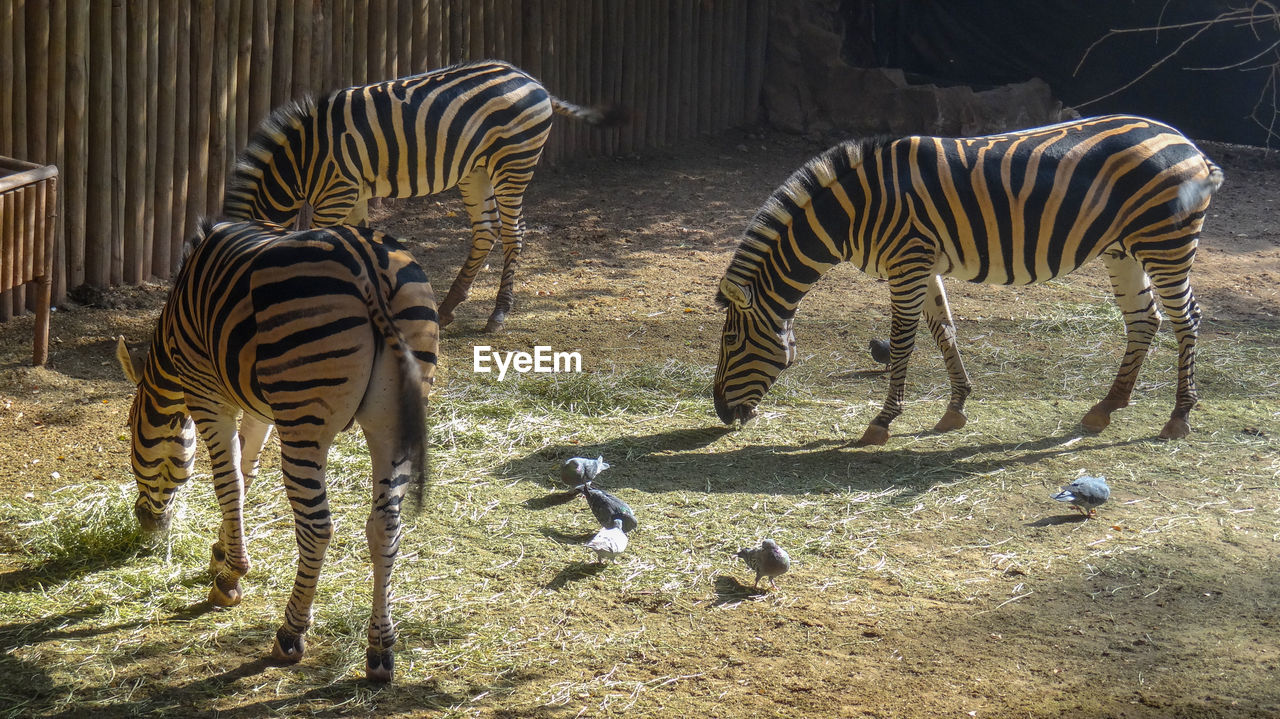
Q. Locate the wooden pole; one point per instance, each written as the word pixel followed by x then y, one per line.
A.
pixel 153 138
pixel 49 188
pixel 360 42
pixel 76 144
pixel 303 18
pixel 201 100
pixel 166 134
pixel 133 17
pixel 7 54
pixel 421 37
pixel 376 42
pixel 38 143
pixel 219 77
pixel 244 73
pixel 179 230
pixel 97 263
pixel 57 89
pixel 758 34
pixel 404 40
pixel 281 49
pixel 120 120
pixel 321 44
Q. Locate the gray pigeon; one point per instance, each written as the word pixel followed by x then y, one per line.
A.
pixel 577 470
pixel 767 560
pixel 607 508
pixel 1085 494
pixel 880 351
pixel 608 542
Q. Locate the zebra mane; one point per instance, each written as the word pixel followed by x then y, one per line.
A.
pixel 790 199
pixel 270 135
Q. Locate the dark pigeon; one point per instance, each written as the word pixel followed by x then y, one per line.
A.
pixel 607 508
pixel 767 560
pixel 1085 494
pixel 880 351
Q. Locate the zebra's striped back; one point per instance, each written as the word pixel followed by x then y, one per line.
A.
pixel 409 137
pixel 309 332
pixel 1015 208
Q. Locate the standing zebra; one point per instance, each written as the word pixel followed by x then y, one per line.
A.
pixel 309 332
pixel 1012 209
pixel 480 126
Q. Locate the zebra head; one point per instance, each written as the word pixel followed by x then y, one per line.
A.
pixel 755 346
pixel 163 440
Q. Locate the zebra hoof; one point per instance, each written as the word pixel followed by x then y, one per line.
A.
pixel 288 647
pixel 1175 428
pixel 1096 420
pixel 444 318
pixel 874 436
pixel 951 420
pixel 379 666
pixel 495 324
pixel 225 597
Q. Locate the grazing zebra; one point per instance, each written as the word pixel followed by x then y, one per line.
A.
pixel 480 126
pixel 307 331
pixel 1012 209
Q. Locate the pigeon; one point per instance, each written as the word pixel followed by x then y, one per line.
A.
pixel 768 560
pixel 604 505
pixel 880 351
pixel 577 470
pixel 607 508
pixel 608 542
pixel 1085 494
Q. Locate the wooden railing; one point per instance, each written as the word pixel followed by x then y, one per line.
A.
pixel 28 216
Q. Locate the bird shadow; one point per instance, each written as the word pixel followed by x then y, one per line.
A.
pixel 547 501
pixel 730 591
pixel 556 535
pixel 1056 520
pixel 573 572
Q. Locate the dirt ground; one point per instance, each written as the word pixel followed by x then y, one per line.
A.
pixel 622 259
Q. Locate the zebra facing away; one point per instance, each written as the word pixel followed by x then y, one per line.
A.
pixel 480 126
pixel 1015 209
pixel 309 332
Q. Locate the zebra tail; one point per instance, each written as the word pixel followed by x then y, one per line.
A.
pixel 411 413
pixel 598 116
pixel 1193 194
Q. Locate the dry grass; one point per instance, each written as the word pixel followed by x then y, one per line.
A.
pixel 498 608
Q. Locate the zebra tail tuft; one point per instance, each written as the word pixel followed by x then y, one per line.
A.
pixel 1193 194
pixel 611 115
pixel 411 411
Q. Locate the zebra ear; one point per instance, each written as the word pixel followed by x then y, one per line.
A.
pixel 132 367
pixel 739 295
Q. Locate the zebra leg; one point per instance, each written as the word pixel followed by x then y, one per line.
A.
pixel 907 294
pixel 477 196
pixel 303 464
pixel 937 315
pixel 253 437
pixel 229 558
pixel 1174 288
pixel 383 532
pixel 511 211
pixel 1141 320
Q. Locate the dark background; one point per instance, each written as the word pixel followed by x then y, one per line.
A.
pixel 986 43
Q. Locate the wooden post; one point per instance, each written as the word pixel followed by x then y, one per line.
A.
pixel 244 72
pixel 178 228
pixel 76 142
pixel 135 138
pixel 281 50
pixel 166 134
pixel 97 261
pixel 57 89
pixel 303 19
pixel 261 57
pixel 120 120
pixel 6 79
pixel 377 42
pixel 38 142
pixel 49 221
pixel 404 40
pixel 321 43
pixel 201 100
pixel 360 42
pixel 218 78
pixel 421 37
pixel 758 34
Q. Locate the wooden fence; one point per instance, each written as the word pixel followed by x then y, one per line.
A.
pixel 144 104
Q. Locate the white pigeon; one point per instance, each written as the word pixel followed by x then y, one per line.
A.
pixel 609 542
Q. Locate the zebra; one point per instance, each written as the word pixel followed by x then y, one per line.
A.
pixel 480 126
pixel 1015 209
pixel 307 331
